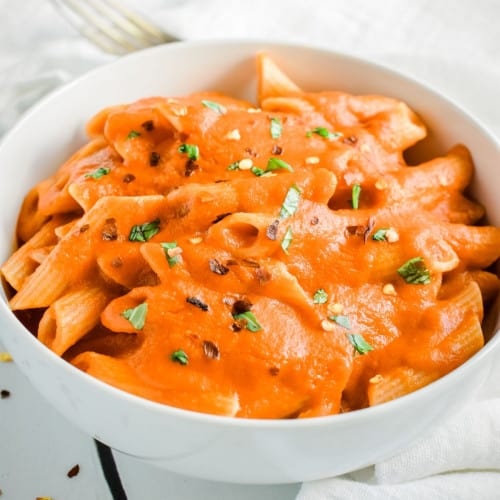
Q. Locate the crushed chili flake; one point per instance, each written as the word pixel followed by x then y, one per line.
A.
pixel 251 152
pixel 84 228
pixel 263 275
pixel 211 350
pixel 369 227
pixel 250 263
pixel 274 370
pixel 231 262
pixel 236 328
pixel 148 125
pixel 356 230
pixel 117 262
pixel 220 217
pixel 128 178
pixel 197 303
pixel 181 211
pixel 277 150
pixel 314 221
pixel 73 471
pixel 217 268
pixel 154 159
pixel 4 393
pixel 109 230
pixel 241 306
pixel 191 166
pixel 272 230
pixel 352 139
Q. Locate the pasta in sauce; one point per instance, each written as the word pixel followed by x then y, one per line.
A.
pixel 277 262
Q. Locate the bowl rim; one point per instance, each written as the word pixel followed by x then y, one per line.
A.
pixel 238 422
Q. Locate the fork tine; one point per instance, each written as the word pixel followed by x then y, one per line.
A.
pixel 113 29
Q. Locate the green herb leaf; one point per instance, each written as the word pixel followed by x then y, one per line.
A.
pixel 323 132
pixel 215 106
pixel 379 235
pixel 291 202
pixel 250 320
pixel 276 128
pixel 277 164
pixel 415 272
pixel 356 191
pixel 341 320
pixel 287 240
pixel 359 343
pixel 136 316
pixel 179 357
pixel 191 150
pixel 257 171
pixel 234 166
pixel 172 261
pixel 133 134
pixel 100 172
pixel 144 232
pixel 320 297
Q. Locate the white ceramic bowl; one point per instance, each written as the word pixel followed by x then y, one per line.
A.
pixel 211 447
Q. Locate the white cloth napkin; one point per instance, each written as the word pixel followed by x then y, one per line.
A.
pixel 455 46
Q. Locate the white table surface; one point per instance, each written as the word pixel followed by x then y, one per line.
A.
pixel 455 46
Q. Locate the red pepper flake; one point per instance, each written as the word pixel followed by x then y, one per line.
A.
pixel 110 231
pixel 4 394
pixel 236 328
pixel 191 166
pixel 263 275
pixel 314 221
pixel 277 150
pixel 217 268
pixel 274 371
pixel 250 263
pixel 84 228
pixel 154 159
pixel 272 230
pixel 369 227
pixel 148 125
pixel 211 350
pixel 241 306
pixel 231 262
pixel 128 178
pixel 251 152
pixel 73 471
pixel 352 139
pixel 117 262
pixel 197 303
pixel 220 217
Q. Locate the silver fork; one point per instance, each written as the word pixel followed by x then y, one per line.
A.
pixel 111 26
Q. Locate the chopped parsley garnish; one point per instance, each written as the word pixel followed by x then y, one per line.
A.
pixel 100 172
pixel 379 235
pixel 341 320
pixel 356 191
pixel 172 261
pixel 276 128
pixel 215 106
pixel 359 343
pixel 136 316
pixel 277 164
pixel 320 296
pixel 197 303
pixel 257 171
pixel 415 272
pixel 287 240
pixel 234 166
pixel 191 150
pixel 323 132
pixel 144 232
pixel 291 202
pixel 179 357
pixel 249 319
pixel 133 134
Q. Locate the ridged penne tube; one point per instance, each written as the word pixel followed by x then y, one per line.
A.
pixel 21 264
pixel 120 375
pixel 272 81
pixel 297 105
pixel 397 383
pixel 73 315
pixel 30 219
pixel 95 126
pixel 489 283
pixel 439 255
